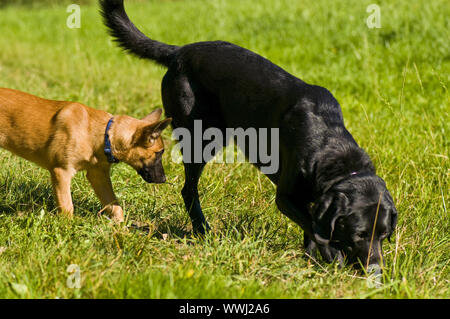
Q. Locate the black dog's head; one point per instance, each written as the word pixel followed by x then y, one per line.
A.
pixel 344 219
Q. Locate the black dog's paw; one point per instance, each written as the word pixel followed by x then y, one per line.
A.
pixel 310 247
pixel 330 254
pixel 200 229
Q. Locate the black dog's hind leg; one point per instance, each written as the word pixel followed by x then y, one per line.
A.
pixel 191 199
pixel 186 101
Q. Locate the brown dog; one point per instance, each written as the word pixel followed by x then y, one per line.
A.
pixel 66 137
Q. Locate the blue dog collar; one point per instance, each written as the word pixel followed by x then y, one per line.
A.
pixel 107 149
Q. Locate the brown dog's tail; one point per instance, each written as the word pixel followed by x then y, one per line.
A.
pixel 130 38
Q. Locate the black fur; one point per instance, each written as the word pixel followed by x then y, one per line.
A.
pixel 326 184
pixel 130 38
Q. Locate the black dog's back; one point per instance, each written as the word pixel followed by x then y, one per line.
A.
pixel 267 88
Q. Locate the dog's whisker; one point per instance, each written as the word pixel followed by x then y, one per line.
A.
pixel 373 231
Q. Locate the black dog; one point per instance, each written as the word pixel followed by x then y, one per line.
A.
pixel 326 183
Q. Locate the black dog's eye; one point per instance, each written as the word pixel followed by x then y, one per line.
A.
pixel 362 234
pixel 384 235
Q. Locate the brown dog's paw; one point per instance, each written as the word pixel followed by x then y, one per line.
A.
pixel 65 213
pixel 114 212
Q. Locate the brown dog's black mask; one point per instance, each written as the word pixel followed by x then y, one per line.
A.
pixel 154 173
pixel 343 218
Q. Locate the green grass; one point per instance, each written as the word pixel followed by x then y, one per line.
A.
pixel 392 84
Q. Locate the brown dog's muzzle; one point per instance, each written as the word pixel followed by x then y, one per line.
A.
pixel 153 174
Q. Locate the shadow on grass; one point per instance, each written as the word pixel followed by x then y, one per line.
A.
pixel 163 230
pixel 21 197
pixel 27 197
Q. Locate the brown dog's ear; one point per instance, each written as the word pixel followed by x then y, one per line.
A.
pixel 160 126
pixel 148 134
pixel 153 117
pixel 328 210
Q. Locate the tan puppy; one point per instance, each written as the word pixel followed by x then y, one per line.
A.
pixel 66 137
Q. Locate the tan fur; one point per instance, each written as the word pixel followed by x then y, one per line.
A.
pixel 67 137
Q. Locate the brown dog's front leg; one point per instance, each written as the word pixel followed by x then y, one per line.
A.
pixel 101 183
pixel 61 179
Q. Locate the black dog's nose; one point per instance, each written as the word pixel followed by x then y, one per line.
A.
pixel 374 269
pixel 374 273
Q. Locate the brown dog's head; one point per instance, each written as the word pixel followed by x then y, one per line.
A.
pixel 139 144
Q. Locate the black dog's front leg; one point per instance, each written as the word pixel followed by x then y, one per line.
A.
pixel 296 211
pixel 328 253
pixel 291 205
pixel 303 219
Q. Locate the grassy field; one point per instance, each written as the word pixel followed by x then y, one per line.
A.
pixel 392 84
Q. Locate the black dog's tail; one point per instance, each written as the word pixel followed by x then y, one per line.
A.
pixel 130 38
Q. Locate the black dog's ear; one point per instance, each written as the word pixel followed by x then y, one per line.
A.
pixel 327 211
pixel 394 216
